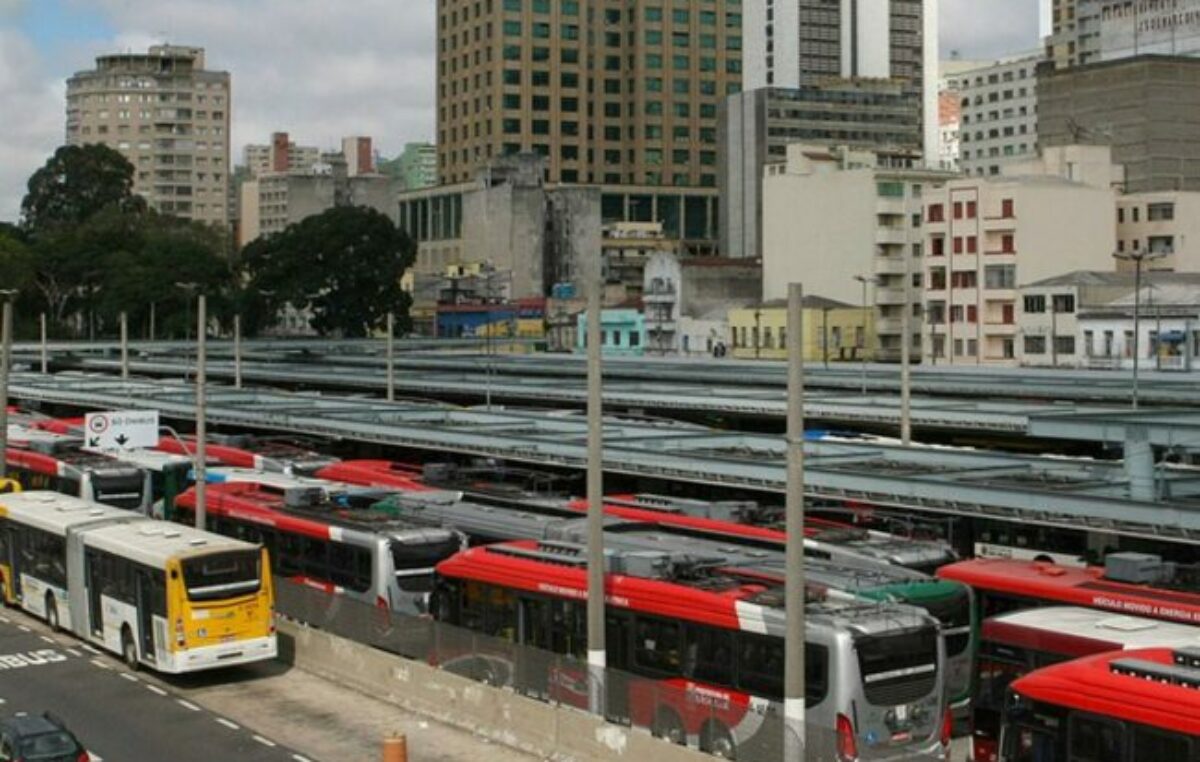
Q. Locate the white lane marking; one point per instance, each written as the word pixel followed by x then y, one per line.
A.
pixel 100 664
pixel 3 702
pixel 265 741
pixel 75 653
pixel 50 640
pixel 23 628
pixel 187 705
pixel 129 677
pixel 299 758
pixel 90 650
pixel 95 757
pixel 228 724
pixel 156 689
pixel 5 619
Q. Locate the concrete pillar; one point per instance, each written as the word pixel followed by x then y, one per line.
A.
pixel 1139 463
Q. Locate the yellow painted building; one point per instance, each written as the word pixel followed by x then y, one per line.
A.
pixel 833 330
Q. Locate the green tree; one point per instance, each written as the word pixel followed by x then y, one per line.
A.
pixel 343 265
pixel 76 183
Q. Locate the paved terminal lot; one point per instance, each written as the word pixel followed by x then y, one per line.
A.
pixel 261 713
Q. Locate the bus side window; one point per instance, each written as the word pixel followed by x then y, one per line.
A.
pixel 710 655
pixel 657 645
pixel 289 557
pixel 1095 739
pixel 347 564
pixel 316 557
pixel 1152 745
pixel 760 665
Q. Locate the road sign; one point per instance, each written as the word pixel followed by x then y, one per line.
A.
pixel 121 430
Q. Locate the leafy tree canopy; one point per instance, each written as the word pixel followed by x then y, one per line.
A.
pixel 76 183
pixel 343 265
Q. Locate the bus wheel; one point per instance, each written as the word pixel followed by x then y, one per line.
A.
pixel 668 727
pixel 52 613
pixel 716 741
pixel 129 650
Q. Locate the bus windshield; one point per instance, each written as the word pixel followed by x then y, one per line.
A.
pixel 222 575
pixel 899 667
pixel 413 560
pixel 119 488
pixel 953 610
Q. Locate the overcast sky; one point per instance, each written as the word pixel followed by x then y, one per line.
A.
pixel 317 69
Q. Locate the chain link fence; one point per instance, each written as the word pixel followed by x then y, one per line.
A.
pixel 677 710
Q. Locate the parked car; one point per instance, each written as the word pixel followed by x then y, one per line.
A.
pixel 30 738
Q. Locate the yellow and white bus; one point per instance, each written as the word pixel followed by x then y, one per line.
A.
pixel 161 595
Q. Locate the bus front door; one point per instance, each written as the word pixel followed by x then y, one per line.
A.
pixel 11 559
pixel 147 596
pixel 95 607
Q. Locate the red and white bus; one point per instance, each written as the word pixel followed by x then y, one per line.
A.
pixel 281 454
pixel 697 656
pixel 375 473
pixel 1015 644
pixel 1003 585
pixel 1125 706
pixel 330 543
pixel 44 460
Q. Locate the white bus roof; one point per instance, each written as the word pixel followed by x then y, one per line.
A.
pixel 1125 631
pixel 271 479
pixel 55 512
pixel 153 543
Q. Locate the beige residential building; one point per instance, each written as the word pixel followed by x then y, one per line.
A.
pixel 832 216
pixel 608 92
pixel 280 155
pixel 986 236
pixel 1166 223
pixel 273 200
pixel 170 117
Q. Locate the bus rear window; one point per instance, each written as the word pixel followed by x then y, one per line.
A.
pixel 222 575
pixel 898 667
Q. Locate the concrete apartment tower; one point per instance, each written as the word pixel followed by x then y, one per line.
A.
pixel 608 92
pixel 170 117
pixel 799 43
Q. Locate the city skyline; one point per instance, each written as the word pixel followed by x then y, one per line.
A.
pixel 368 69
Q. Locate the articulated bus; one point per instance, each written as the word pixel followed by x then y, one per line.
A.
pixel 697 656
pixel 163 596
pixel 333 542
pixel 43 460
pixel 1015 644
pixel 744 555
pixel 1002 585
pixel 1125 706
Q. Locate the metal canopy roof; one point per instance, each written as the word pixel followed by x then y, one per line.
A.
pixel 840 407
pixel 1044 490
pixel 988 382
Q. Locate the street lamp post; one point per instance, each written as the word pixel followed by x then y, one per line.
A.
pixel 1138 258
pixel 6 318
pixel 864 280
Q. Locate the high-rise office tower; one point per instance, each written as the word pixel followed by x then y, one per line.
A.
pixel 609 92
pixel 800 43
pixel 170 117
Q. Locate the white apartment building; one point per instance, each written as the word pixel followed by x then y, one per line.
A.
pixel 1085 320
pixel 801 43
pixel 1166 223
pixel 998 110
pixel 986 235
pixel 831 216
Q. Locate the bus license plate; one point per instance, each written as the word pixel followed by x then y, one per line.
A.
pixel 903 736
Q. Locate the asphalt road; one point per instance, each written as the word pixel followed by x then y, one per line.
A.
pixel 118 715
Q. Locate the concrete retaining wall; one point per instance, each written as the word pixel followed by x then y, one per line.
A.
pixel 545 730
